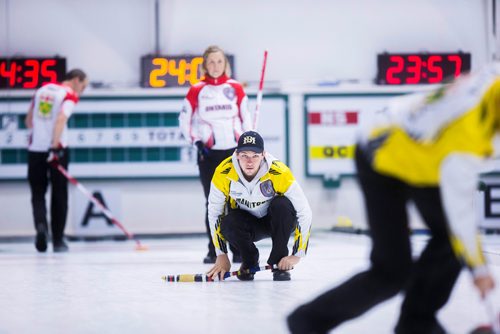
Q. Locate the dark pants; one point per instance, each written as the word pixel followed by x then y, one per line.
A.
pixel 39 175
pixel 427 282
pixel 242 229
pixel 207 165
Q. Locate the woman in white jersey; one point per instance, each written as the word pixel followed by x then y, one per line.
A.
pixel 214 115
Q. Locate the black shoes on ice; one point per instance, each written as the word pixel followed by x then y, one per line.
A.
pixel 211 258
pixel 303 321
pixel 41 238
pixel 407 324
pixel 60 246
pixel 281 275
pixel 245 275
pixel 278 275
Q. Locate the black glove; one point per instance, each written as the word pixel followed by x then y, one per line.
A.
pixel 55 155
pixel 202 150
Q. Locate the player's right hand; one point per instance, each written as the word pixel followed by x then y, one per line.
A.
pixel 202 150
pixel 55 154
pixel 484 283
pixel 221 266
pixel 288 262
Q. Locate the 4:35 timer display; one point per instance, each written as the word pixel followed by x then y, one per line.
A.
pixel 420 68
pixel 30 73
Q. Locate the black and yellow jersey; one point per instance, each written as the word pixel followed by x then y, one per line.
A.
pixel 443 138
pixel 229 189
pixel 426 128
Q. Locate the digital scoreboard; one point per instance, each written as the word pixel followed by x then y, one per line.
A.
pixel 172 71
pixel 420 68
pixel 30 73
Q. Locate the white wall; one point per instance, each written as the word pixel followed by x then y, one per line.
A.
pixel 323 39
pixel 105 38
pixel 308 41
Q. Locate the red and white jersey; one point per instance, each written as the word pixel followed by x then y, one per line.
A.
pixel 215 111
pixel 48 102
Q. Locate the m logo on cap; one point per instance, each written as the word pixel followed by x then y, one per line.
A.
pixel 249 140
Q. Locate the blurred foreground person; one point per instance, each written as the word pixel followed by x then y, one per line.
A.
pixel 428 148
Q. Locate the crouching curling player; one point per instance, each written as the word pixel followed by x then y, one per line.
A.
pixel 255 196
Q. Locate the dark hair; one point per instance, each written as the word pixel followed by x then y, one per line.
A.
pixel 76 73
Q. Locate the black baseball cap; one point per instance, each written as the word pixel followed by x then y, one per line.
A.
pixel 250 141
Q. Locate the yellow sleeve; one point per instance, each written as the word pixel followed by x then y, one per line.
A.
pixel 285 185
pixel 220 180
pixel 281 177
pixel 490 104
pixel 217 200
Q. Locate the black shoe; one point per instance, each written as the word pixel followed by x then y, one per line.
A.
pixel 245 275
pixel 429 325
pixel 41 238
pixel 301 321
pixel 60 246
pixel 209 259
pixel 237 258
pixel 281 275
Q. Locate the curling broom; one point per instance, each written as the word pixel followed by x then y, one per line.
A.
pixel 205 278
pixel 107 213
pixel 260 92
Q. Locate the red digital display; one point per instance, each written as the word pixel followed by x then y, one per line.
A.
pixel 420 68
pixel 30 73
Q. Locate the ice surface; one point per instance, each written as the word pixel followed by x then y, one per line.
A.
pixel 108 287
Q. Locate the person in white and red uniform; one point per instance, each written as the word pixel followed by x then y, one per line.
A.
pixel 47 117
pixel 214 115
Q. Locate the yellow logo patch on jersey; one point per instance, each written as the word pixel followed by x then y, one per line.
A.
pixel 45 106
pixel 44 109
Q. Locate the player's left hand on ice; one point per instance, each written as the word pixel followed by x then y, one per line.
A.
pixel 288 262
pixel 221 266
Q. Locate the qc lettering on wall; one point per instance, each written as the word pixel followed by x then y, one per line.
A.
pixel 332 124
